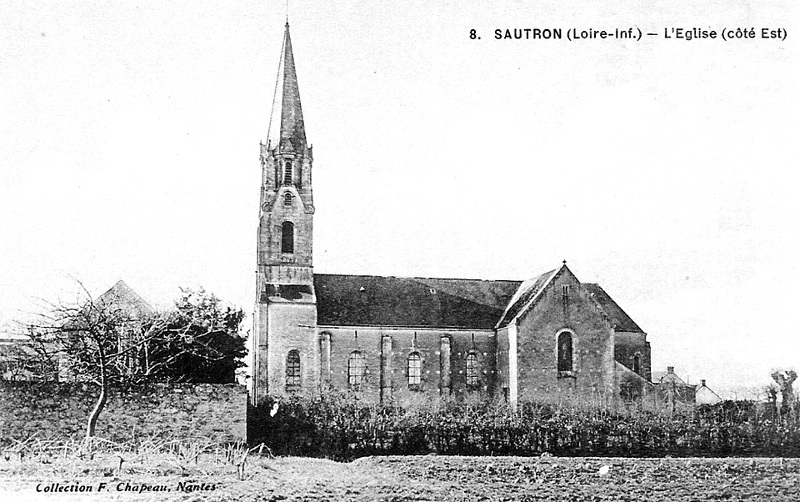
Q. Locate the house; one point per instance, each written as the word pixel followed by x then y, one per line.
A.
pixel 128 310
pixel 704 395
pixel 672 391
pixel 23 360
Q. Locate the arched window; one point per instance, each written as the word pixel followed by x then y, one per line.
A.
pixel 564 352
pixel 293 370
pixel 287 172
pixel 637 364
pixel 287 237
pixel 355 370
pixel 414 370
pixel 287 199
pixel 473 371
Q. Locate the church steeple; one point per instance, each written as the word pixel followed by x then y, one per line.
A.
pixel 287 123
pixel 285 298
pixel 287 205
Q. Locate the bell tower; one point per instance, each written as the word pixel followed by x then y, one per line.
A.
pixel 287 204
pixel 286 353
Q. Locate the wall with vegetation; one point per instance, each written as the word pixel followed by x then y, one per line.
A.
pixel 215 412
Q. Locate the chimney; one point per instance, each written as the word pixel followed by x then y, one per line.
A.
pixel 670 369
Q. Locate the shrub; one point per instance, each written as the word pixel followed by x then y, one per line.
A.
pixel 341 427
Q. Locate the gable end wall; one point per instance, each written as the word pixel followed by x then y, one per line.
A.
pixel 593 379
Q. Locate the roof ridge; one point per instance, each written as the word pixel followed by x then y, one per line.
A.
pixel 423 278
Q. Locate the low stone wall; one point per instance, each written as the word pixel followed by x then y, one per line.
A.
pixel 176 411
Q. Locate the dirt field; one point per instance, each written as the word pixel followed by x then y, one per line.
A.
pixel 405 478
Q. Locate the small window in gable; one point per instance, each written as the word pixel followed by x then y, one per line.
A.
pixel 287 199
pixel 414 371
pixel 637 364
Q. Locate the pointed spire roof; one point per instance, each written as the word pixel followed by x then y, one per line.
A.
pixel 286 119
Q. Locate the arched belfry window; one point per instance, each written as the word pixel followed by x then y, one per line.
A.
pixel 293 370
pixel 287 237
pixel 414 370
pixel 287 172
pixel 637 364
pixel 355 370
pixel 473 371
pixel 565 352
pixel 287 199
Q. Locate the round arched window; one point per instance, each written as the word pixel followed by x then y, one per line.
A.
pixel 414 370
pixel 473 372
pixel 565 351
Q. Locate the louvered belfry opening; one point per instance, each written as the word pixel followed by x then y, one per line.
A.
pixel 287 237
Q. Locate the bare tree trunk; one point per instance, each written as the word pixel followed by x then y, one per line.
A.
pixel 147 358
pixel 101 399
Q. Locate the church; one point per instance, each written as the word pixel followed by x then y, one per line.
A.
pixel 404 339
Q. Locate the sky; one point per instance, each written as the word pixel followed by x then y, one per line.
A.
pixel 664 169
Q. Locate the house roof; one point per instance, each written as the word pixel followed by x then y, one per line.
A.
pixel 667 378
pixel 120 295
pixel 12 337
pixel 16 348
pixel 704 395
pixel 525 293
pixel 364 300
pixel 623 370
pixel 620 320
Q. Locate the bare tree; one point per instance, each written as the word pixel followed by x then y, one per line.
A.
pixel 109 343
pixel 94 341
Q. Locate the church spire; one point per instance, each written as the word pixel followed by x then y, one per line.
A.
pixel 287 203
pixel 286 121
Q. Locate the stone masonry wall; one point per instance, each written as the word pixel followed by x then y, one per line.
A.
pixel 404 341
pixel 176 411
pixel 629 345
pixel 593 375
pixel 291 327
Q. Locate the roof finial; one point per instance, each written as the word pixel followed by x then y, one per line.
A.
pixel 564 262
pixel 287 12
